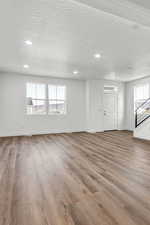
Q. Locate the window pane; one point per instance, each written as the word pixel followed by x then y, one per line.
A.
pixel 52 92
pixel 56 92
pixel 38 107
pixel 61 107
pixel 35 91
pixel 56 107
pixel 141 93
pixel 61 93
pixel 52 106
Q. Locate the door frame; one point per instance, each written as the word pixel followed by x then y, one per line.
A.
pixel 115 93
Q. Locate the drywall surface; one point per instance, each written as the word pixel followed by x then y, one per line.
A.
pixel 13 118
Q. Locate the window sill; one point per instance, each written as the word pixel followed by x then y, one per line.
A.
pixel 51 114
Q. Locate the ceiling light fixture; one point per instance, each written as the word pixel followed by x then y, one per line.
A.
pixel 75 72
pixel 97 56
pixel 28 42
pixel 26 66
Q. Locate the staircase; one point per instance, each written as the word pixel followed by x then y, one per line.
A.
pixel 142 121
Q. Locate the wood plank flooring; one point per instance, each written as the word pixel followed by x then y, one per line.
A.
pixel 75 179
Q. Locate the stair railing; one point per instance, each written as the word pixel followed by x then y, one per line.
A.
pixel 142 113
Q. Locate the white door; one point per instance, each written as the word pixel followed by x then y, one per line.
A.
pixel 110 112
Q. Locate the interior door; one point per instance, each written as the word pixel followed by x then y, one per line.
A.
pixel 110 114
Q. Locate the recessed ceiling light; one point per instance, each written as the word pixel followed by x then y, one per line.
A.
pixel 97 55
pixel 75 72
pixel 28 42
pixel 26 66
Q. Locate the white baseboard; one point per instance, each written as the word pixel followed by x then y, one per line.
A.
pixel 141 138
pixel 94 131
pixel 15 134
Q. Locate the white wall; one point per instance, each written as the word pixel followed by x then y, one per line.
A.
pixel 129 104
pixel 13 119
pixel 94 98
pixel 84 106
pixel 143 131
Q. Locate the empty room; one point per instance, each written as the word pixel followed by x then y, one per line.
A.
pixel 75 112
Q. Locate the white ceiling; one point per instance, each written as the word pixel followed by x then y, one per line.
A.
pixel 66 34
pixel 143 3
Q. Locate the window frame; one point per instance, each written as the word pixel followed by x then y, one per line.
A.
pixel 36 99
pixel 138 86
pixel 57 99
pixel 46 100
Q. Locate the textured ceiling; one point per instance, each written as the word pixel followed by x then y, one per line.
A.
pixel 132 10
pixel 143 3
pixel 65 35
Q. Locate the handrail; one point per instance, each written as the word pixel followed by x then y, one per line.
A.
pixel 142 117
pixel 142 104
pixel 142 121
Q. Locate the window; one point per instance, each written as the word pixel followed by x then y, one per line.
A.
pixel 141 94
pixel 45 99
pixel 56 99
pixel 36 98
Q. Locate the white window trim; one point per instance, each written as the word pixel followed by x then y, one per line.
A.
pixel 47 101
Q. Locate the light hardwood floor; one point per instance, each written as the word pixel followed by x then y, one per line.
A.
pixel 75 179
